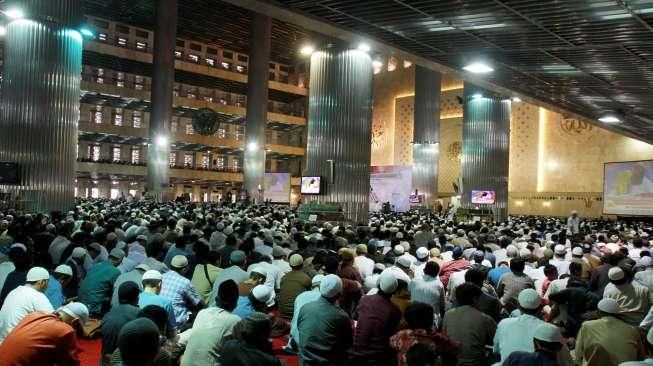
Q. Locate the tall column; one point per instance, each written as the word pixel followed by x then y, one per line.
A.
pixel 486 143
pixel 40 102
pixel 197 193
pixel 257 106
pixel 163 78
pixel 426 133
pixel 339 125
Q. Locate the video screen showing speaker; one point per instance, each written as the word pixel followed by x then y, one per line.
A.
pixel 628 188
pixel 9 173
pixel 310 185
pixel 483 197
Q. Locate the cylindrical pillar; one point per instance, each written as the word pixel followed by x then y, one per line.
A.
pixel 339 127
pixel 40 103
pixel 426 133
pixel 163 78
pixel 197 193
pixel 486 143
pixel 257 106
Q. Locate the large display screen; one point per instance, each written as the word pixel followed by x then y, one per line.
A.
pixel 276 187
pixel 392 184
pixel 483 197
pixel 9 173
pixel 628 188
pixel 310 185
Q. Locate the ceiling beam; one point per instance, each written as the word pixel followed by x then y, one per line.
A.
pixel 635 16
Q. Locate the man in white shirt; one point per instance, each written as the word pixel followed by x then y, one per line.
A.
pixel 573 223
pixel 559 260
pixel 24 300
pixel 422 255
pixel 218 238
pixel 279 260
pixel 645 277
pixel 59 245
pixel 364 265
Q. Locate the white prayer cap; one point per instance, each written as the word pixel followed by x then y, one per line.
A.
pixel 388 283
pixel 330 286
pixel 37 274
pixel 547 332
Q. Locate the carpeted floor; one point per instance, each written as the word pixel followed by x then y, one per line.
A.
pixel 91 349
pixel 90 355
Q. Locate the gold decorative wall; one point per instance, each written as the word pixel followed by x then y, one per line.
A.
pixel 573 152
pixel 523 147
pixel 388 86
pixel 556 163
pixel 451 148
pixel 403 149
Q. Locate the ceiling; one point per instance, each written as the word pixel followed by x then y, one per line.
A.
pixel 589 57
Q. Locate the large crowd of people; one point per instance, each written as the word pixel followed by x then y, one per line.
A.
pixel 187 284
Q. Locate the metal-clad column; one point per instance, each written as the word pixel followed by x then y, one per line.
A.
pixel 40 104
pixel 426 133
pixel 257 107
pixel 163 78
pixel 339 125
pixel 486 143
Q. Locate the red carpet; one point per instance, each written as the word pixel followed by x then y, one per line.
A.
pixel 90 355
pixel 91 348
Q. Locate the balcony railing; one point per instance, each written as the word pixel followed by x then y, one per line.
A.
pixel 215 96
pixel 226 169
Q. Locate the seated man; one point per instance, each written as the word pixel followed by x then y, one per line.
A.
pixel 178 289
pixel 251 345
pixel 24 300
pixel 547 343
pixel 45 338
pixel 150 296
pixel 212 327
pixel 119 315
pixel 97 287
pixel 419 317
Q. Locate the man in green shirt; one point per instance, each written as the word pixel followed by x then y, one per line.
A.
pixel 292 284
pixel 324 329
pixel 97 287
pixel 608 340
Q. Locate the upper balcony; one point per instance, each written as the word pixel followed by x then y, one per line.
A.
pixel 135 89
pixel 136 172
pixel 127 42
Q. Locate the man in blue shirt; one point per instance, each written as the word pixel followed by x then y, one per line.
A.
pixel 179 290
pixel 97 287
pixel 547 342
pixel 152 280
pixel 515 334
pixel 495 273
pixel 58 280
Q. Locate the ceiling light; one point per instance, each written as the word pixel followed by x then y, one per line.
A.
pixel 478 68
pixel 364 47
pixel 14 13
pixel 477 96
pixel 86 32
pixel 516 99
pixel 252 146
pixel 610 119
pixel 161 141
pixel 307 50
pixel 377 63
